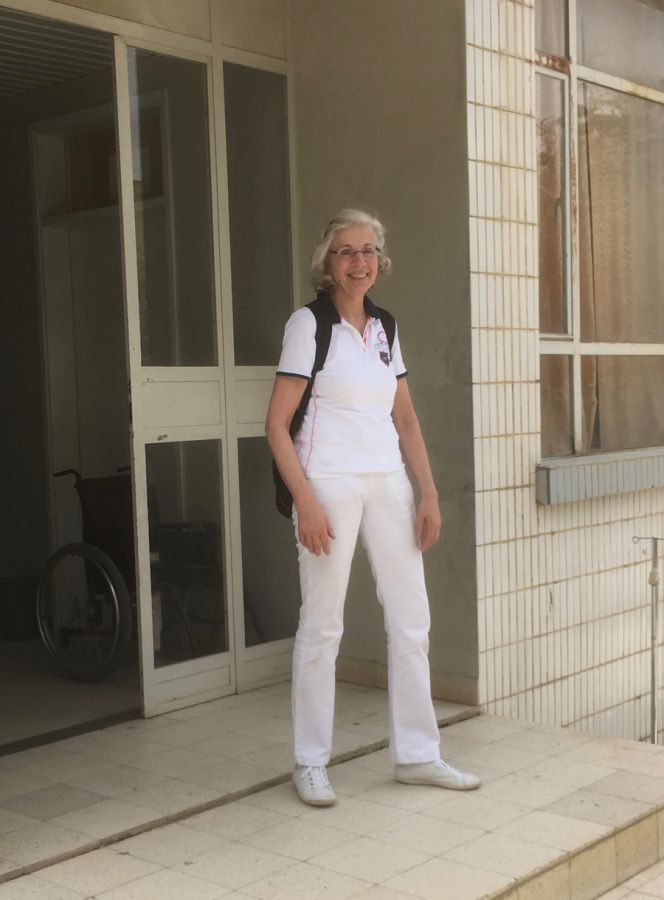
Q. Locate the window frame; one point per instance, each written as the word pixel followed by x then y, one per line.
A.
pixel 570 71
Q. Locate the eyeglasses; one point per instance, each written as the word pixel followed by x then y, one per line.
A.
pixel 347 253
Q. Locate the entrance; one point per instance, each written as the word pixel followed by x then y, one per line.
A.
pixel 152 176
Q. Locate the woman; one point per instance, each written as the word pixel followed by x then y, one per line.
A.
pixel 346 475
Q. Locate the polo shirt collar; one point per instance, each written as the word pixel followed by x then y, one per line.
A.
pixel 369 308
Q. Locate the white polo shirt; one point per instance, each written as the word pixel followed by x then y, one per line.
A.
pixel 347 428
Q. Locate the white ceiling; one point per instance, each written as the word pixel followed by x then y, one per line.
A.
pixel 36 53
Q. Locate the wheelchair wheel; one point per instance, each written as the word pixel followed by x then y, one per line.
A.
pixel 83 612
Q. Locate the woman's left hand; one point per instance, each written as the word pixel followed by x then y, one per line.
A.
pixel 427 522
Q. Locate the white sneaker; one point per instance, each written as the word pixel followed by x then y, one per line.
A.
pixel 312 786
pixel 437 774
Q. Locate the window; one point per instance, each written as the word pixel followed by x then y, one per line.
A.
pixel 600 115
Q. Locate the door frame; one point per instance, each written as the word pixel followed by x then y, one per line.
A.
pixel 263 663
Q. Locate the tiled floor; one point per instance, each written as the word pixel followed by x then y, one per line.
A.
pixel 73 794
pixel 561 816
pixel 644 886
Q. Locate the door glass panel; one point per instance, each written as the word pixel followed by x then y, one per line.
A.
pixel 258 191
pixel 269 556
pixel 556 405
pixel 185 525
pixel 172 199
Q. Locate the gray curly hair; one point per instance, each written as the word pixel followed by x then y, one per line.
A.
pixel 347 218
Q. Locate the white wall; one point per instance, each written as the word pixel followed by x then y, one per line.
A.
pixel 562 593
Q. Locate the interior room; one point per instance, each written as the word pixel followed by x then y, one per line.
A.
pixel 63 370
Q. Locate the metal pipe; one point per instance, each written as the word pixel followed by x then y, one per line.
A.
pixel 653 581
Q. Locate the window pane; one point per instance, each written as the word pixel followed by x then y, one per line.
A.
pixel 621 216
pixel 269 556
pixel 184 511
pixel 550 22
pixel 556 403
pixel 623 402
pixel 623 37
pixel 258 192
pixel 551 180
pixel 171 172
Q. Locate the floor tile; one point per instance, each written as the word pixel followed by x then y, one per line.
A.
pixel 234 865
pixel 165 884
pixel 31 887
pixel 548 742
pixel 380 761
pixel 307 882
pixel 98 871
pixel 231 775
pixel 38 842
pixel 18 782
pixel 170 845
pixel 421 832
pixel 409 797
pixel 184 734
pixel 171 796
pixel 371 860
pixel 351 779
pixel 356 815
pixel 381 892
pixel 497 757
pixel 461 882
pixel 66 766
pixel 562 832
pixel 10 820
pixel 297 838
pixel 566 772
pixel 275 757
pixel 485 728
pixel 119 781
pixel 654 886
pixel 631 786
pixel 477 811
pixel 231 745
pixel 235 820
pixel 178 762
pixel 48 802
pixel 529 792
pixel 506 855
pixel 601 808
pixel 281 799
pixel 105 818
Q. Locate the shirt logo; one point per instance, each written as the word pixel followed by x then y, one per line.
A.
pixel 384 352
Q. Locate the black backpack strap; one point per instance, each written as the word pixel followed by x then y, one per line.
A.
pixel 326 316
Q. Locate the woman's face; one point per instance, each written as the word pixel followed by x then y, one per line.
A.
pixel 353 273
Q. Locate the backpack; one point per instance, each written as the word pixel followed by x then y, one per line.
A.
pixel 326 316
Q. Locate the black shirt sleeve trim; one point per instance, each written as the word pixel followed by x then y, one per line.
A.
pixel 403 375
pixel 295 375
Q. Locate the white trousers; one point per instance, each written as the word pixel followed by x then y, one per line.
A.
pixel 380 507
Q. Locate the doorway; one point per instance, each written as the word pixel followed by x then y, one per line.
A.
pixel 149 244
pixel 62 346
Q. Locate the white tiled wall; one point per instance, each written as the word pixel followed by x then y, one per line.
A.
pixel 563 593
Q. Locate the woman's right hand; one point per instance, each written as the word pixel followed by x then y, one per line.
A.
pixel 313 529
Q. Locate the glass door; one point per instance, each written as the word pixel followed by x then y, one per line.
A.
pixel 260 300
pixel 179 455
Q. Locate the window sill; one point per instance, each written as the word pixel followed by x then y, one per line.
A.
pixel 598 475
